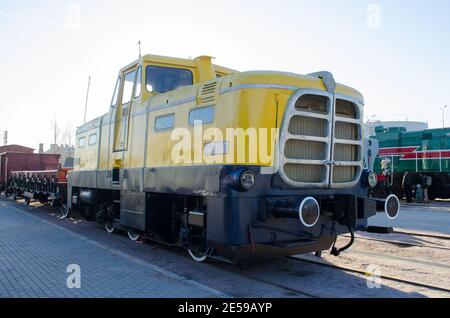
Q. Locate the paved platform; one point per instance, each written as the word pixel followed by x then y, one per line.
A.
pixel 35 254
pixel 433 217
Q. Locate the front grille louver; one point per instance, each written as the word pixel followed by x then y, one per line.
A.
pixel 321 141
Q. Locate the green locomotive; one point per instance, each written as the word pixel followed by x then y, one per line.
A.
pixel 423 153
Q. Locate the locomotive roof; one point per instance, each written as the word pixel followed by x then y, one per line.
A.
pixel 288 80
pixel 150 58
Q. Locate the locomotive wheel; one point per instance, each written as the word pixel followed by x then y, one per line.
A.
pixel 88 213
pixel 199 255
pixel 134 235
pixel 110 228
pixel 109 219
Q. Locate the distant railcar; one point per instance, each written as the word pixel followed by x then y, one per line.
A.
pixel 425 152
pixel 306 184
pixel 17 158
pixel 44 186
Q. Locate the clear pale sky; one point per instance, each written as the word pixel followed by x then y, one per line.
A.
pixel 397 53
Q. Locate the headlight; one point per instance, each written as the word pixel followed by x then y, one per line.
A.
pixel 392 207
pixel 309 212
pixel 247 180
pixel 372 179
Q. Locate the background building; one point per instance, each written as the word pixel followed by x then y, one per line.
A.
pixel 410 125
pixel 66 153
pixel 15 148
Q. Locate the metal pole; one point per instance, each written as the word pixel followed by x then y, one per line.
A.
pixel 443 115
pixel 417 163
pixel 392 175
pixel 87 98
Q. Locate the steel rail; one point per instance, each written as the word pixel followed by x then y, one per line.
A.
pixel 399 258
pixel 391 278
pixel 398 242
pixel 441 237
pixel 290 289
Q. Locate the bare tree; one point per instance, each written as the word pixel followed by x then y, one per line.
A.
pixel 56 130
pixel 67 135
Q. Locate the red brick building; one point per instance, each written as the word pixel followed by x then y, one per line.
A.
pixel 15 148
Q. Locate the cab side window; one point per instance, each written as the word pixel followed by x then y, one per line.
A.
pixel 138 85
pixel 165 122
pixel 92 139
pixel 128 86
pixel 81 142
pixel 116 93
pixel 201 116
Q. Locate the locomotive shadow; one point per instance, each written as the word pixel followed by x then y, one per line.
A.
pixel 324 282
pixel 399 240
pixel 45 208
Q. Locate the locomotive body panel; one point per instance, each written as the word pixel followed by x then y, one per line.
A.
pixel 247 103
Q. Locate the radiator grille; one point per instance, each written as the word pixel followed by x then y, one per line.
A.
pixel 344 174
pixel 321 141
pixel 347 153
pixel 313 104
pixel 306 150
pixel 347 131
pixel 308 126
pixel 347 144
pixel 306 173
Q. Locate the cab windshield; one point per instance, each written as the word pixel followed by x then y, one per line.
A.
pixel 164 79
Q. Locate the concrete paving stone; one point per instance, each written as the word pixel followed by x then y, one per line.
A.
pixel 34 256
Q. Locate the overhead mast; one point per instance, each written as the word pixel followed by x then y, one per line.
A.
pixel 443 115
pixel 87 98
pixel 139 45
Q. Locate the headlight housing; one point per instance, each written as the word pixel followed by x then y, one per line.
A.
pixel 309 212
pixel 392 207
pixel 247 180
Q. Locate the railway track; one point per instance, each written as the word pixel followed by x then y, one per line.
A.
pixel 399 258
pixel 293 291
pixel 321 262
pixel 399 242
pixel 421 234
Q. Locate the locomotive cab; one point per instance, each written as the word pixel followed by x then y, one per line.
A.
pixel 232 165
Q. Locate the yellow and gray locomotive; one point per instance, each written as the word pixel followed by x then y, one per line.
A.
pixel 231 165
